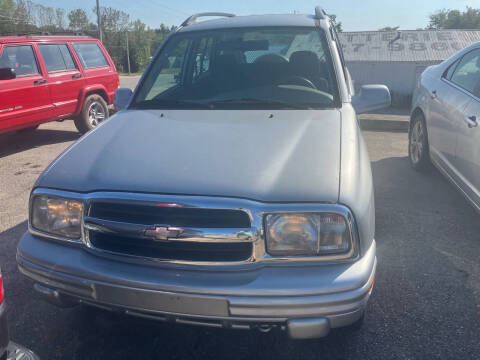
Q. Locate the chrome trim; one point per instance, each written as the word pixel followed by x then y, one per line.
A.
pixel 217 235
pixel 255 210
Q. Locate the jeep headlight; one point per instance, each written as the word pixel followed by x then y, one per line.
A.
pixel 57 216
pixel 307 234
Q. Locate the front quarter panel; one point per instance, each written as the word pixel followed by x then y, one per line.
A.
pixel 356 185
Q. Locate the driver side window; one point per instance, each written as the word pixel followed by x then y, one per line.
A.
pixel 21 59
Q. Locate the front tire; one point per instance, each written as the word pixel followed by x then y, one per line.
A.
pixel 94 111
pixel 418 151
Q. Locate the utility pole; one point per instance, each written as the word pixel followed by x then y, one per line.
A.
pixel 99 22
pixel 128 55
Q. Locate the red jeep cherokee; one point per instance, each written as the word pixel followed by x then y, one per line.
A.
pixel 48 78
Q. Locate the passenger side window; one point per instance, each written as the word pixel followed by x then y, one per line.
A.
pixel 467 73
pixel 21 59
pixel 90 55
pixel 57 57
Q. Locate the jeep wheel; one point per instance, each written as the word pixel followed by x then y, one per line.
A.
pixel 94 111
pixel 418 144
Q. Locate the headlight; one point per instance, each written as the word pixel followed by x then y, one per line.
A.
pixel 307 234
pixel 57 216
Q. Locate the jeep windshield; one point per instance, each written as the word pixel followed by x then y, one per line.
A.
pixel 244 68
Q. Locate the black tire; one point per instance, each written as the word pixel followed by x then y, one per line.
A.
pixel 94 111
pixel 28 130
pixel 418 150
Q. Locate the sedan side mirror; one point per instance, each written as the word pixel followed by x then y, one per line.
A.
pixel 122 98
pixel 370 98
pixel 7 74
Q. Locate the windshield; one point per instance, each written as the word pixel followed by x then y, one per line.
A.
pixel 266 68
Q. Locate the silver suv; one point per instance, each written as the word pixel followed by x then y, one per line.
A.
pixel 233 189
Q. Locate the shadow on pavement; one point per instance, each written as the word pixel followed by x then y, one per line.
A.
pixel 16 142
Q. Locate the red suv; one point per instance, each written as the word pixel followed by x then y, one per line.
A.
pixel 50 78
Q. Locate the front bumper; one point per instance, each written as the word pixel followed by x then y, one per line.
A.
pixel 3 330
pixel 306 300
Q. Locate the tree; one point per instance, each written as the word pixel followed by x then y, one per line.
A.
pixel 389 28
pixel 338 25
pixel 7 21
pixel 60 18
pixel 455 19
pixel 78 19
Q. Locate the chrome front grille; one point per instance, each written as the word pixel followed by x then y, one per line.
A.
pixel 116 222
pixel 169 231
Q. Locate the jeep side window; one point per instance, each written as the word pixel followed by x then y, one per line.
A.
pixel 21 59
pixel 90 55
pixel 57 57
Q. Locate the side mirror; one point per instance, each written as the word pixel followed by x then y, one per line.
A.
pixel 7 74
pixel 122 98
pixel 370 98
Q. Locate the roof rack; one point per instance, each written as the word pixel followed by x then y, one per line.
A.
pixel 194 17
pixel 47 33
pixel 320 13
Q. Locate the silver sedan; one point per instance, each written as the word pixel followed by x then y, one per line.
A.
pixel 444 123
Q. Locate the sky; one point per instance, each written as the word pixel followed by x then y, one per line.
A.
pixel 355 15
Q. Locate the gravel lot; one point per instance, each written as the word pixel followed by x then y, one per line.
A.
pixel 426 302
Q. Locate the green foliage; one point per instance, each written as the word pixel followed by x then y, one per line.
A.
pixel 455 19
pixel 338 25
pixel 24 16
pixel 78 20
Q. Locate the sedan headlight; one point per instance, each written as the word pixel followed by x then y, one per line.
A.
pixel 307 234
pixel 56 215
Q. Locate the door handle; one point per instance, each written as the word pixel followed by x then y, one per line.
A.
pixel 39 82
pixel 76 76
pixel 434 95
pixel 471 121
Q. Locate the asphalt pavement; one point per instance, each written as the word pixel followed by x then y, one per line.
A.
pixel 425 304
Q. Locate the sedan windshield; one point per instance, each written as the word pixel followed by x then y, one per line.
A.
pixel 262 68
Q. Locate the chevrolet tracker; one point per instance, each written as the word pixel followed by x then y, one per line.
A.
pixel 232 189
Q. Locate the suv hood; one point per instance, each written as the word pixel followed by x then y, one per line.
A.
pixel 287 155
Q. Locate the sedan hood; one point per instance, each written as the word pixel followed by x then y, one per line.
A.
pixel 288 155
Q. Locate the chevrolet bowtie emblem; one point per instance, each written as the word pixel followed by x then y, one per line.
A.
pixel 163 232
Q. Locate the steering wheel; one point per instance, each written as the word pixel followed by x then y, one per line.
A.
pixel 271 58
pixel 298 80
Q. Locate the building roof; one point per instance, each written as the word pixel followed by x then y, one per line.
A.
pixel 405 45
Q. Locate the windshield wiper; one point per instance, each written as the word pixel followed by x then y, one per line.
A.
pixel 159 103
pixel 258 101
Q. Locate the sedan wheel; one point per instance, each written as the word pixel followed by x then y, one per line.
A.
pixel 418 144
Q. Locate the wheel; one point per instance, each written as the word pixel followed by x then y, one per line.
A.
pixel 94 111
pixel 28 130
pixel 418 143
